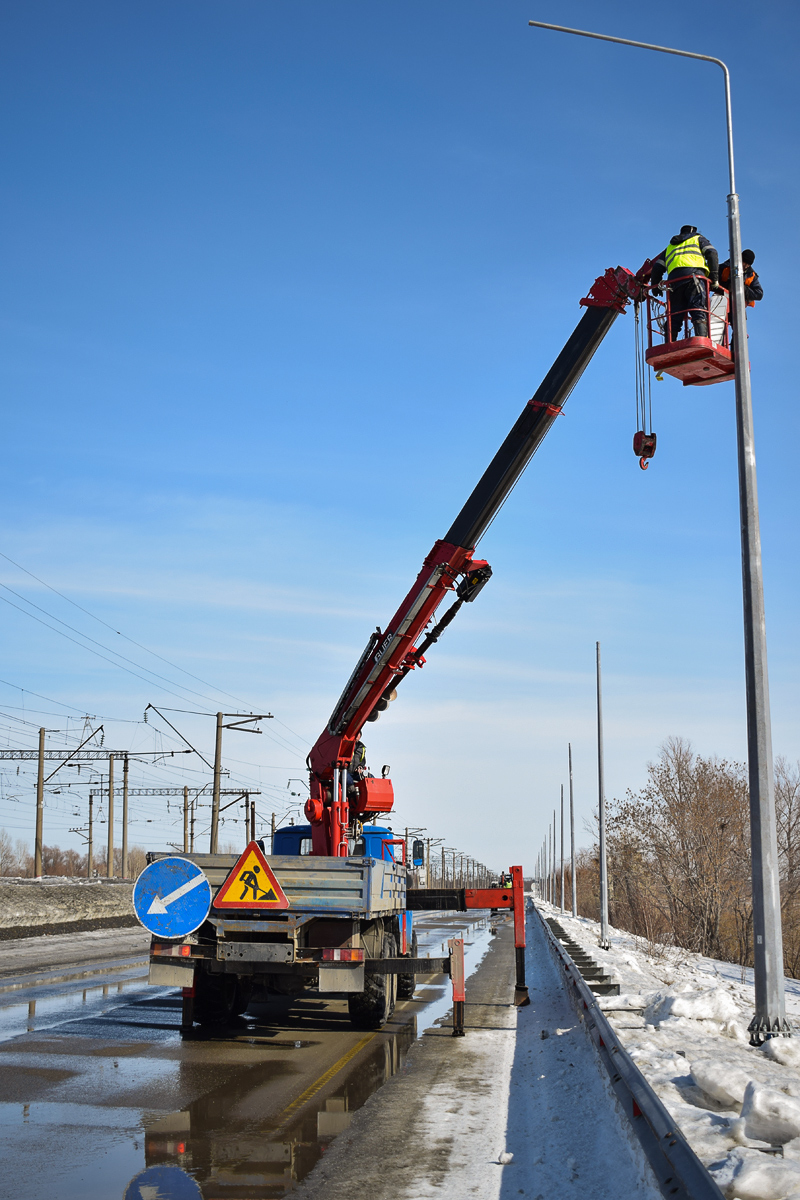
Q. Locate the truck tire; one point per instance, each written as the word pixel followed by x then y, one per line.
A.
pixel 407 983
pixel 373 1007
pixel 220 998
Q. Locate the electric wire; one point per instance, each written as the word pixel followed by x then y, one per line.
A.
pixel 119 632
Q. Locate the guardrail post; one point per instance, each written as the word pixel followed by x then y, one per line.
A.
pixel 456 948
pixel 521 997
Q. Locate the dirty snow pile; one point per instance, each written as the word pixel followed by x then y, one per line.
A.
pixel 683 1019
pixel 31 906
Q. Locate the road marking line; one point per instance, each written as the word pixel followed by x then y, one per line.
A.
pixel 313 1088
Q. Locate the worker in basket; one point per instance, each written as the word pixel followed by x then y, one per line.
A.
pixel 357 770
pixel 688 261
pixel 752 284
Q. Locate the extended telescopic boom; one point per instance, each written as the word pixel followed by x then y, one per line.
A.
pixel 450 566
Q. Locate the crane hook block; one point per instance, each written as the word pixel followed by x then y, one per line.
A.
pixel 644 447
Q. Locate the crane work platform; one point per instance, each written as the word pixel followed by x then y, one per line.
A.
pixel 673 347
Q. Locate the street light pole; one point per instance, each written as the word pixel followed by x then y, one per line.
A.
pixel 572 839
pixel 770 1011
pixel 605 944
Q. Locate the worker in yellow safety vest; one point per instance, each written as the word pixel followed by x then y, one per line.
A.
pixel 688 261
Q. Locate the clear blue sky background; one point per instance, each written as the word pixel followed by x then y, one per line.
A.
pixel 277 279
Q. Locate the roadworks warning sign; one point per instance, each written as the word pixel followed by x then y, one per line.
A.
pixel 251 884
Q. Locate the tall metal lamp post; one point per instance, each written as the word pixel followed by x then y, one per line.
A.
pixel 770 1015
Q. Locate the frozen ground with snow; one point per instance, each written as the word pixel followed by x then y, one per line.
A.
pixel 564 1126
pixel 540 1100
pixel 683 1019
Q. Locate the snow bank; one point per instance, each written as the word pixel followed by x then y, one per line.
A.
pixel 749 1175
pixel 771 1116
pixel 56 904
pixel 682 1000
pixel 722 1082
pixel 683 1019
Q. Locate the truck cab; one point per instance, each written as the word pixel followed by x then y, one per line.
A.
pixel 375 841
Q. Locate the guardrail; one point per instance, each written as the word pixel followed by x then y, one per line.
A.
pixel 678 1171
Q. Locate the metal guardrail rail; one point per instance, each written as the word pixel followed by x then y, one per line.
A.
pixel 678 1171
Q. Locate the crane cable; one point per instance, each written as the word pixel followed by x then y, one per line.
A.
pixel 644 441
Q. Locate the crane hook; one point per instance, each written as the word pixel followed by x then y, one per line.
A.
pixel 643 463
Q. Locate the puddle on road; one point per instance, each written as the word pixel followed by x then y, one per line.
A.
pixel 218 1144
pixel 75 1002
pixel 233 1156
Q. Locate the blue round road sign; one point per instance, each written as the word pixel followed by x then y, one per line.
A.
pixel 165 1182
pixel 172 897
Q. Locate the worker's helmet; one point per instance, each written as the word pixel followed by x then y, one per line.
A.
pixel 748 256
pixel 688 231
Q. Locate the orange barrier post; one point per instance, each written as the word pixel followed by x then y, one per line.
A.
pixel 521 997
pixel 456 948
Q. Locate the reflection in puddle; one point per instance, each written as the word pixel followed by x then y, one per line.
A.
pixel 230 1153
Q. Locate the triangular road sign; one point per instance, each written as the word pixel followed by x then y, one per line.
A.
pixel 251 884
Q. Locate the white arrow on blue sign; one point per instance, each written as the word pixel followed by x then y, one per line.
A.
pixel 164 1182
pixel 172 897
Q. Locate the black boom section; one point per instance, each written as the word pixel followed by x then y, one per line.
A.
pixel 436 900
pixel 528 433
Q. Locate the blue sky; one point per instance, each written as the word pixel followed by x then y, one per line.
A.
pixel 277 281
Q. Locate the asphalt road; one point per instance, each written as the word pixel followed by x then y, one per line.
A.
pixel 98 1085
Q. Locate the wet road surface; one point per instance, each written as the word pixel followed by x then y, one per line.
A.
pixel 98 1084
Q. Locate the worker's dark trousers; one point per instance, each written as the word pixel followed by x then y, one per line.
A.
pixel 688 294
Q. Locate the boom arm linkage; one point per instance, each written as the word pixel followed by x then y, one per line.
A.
pixel 450 566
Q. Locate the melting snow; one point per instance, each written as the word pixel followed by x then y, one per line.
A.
pixel 683 1019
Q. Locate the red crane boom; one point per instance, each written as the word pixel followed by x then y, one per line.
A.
pixel 333 808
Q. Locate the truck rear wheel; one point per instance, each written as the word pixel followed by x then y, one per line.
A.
pixel 407 983
pixel 219 998
pixel 374 1006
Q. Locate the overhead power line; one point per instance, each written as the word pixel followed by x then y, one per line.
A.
pixel 119 633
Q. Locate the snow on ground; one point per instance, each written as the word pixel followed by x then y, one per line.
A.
pixel 683 1019
pixel 520 1107
pixel 565 1128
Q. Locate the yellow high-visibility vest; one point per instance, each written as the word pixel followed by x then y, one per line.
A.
pixel 687 254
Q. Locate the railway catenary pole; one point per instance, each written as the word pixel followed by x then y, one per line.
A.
pixel 555 869
pixel 572 839
pixel 37 844
pixel 562 847
pixel 186 820
pixel 125 817
pixel 601 810
pixel 90 840
pixel 769 1019
pixel 215 795
pixel 110 850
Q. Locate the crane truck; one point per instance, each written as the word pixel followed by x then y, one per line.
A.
pixel 331 906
